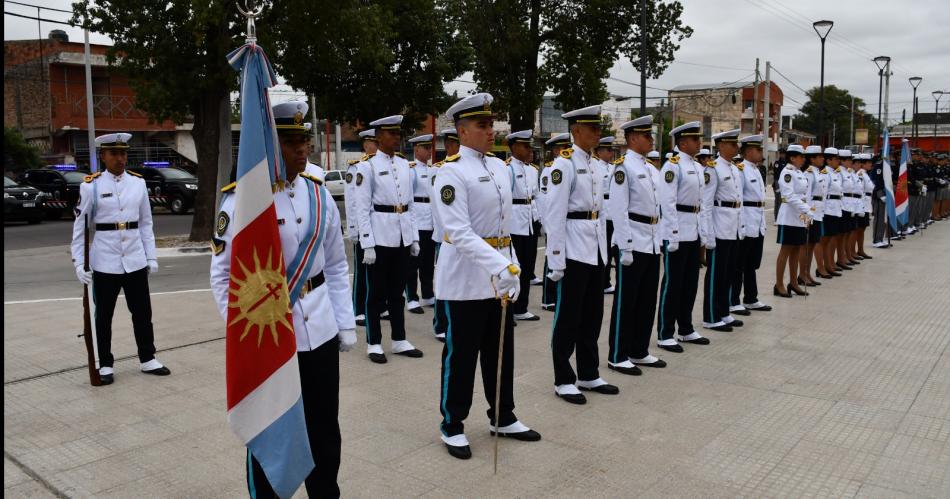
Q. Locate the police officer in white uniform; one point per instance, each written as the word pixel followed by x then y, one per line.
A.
pixel 388 235
pixel 557 144
pixel 638 201
pixel 322 315
pixel 794 217
pixel 477 267
pixel 422 266
pixel 576 252
pixel 721 229
pixel 368 140
pixel 122 255
pixel 683 177
pixel 753 220
pixel 524 237
pixel 604 156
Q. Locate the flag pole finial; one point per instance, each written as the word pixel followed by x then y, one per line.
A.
pixel 251 11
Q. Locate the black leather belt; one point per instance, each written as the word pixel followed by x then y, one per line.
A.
pixel 685 208
pixel 834 196
pixel 118 226
pixel 520 201
pixel 582 215
pixel 817 198
pixel 420 199
pixel 728 204
pixel 636 217
pixel 313 283
pixel 754 204
pixel 852 195
pixel 382 208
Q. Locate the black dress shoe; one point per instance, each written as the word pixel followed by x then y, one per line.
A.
pixel 524 436
pixel 835 273
pixel 360 322
pixel 763 308
pixel 441 339
pixel 697 341
pixel 460 452
pixel 384 317
pixel 672 348
pixel 736 323
pixel 379 358
pixel 776 292
pixel 607 389
pixel 632 371
pixel 854 262
pixel 844 267
pixel 161 371
pixel 867 257
pixel 796 290
pixel 106 379
pixel 417 310
pixel 658 363
pixel 548 308
pixel 825 276
pixel 740 312
pixel 858 257
pixel 415 353
pixel 726 328
pixel 802 282
pixel 574 398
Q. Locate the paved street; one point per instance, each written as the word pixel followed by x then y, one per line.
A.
pixel 845 393
pixel 19 235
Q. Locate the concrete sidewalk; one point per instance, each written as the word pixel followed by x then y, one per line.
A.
pixel 845 393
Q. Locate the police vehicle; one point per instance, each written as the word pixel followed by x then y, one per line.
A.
pixel 60 183
pixel 168 186
pixel 22 202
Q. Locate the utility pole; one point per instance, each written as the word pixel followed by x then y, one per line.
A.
pixel 766 113
pixel 643 57
pixel 887 93
pixel 755 99
pixel 851 135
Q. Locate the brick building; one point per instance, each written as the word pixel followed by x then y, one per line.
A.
pixel 727 106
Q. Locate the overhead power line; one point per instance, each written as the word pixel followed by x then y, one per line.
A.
pixel 37 6
pixel 34 18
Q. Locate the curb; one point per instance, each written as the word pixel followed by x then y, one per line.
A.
pixel 181 251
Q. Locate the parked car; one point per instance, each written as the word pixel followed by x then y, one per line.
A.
pixel 168 186
pixel 335 183
pixel 61 185
pixel 22 202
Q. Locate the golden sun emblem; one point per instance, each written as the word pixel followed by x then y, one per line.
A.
pixel 256 295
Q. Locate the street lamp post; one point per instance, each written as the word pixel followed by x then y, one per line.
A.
pixel 937 94
pixel 914 82
pixel 883 62
pixel 822 28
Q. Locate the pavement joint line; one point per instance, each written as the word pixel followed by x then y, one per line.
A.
pixel 35 476
pixel 118 359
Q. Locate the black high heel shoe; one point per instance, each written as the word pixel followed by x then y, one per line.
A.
pixel 776 292
pixel 810 284
pixel 825 276
pixel 793 289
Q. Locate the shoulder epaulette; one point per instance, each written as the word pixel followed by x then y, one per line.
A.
pixel 90 178
pixel 536 167
pixel 311 178
pixel 740 166
pixel 352 162
pixel 711 164
pixel 412 164
pixel 549 163
pixel 490 154
pixel 453 158
pixel 675 159
pixel 401 155
pixel 139 175
pixel 618 161
pixel 230 187
pixel 439 164
pixel 838 169
pixel 824 170
pixel 566 153
pixel 367 156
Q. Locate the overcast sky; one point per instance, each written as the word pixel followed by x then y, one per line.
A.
pixel 730 34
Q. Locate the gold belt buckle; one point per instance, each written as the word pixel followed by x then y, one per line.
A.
pixel 305 289
pixel 696 209
pixel 400 208
pixel 593 215
pixel 653 220
pixel 121 225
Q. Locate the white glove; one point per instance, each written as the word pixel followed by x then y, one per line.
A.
pixel 556 275
pixel 369 256
pixel 672 246
pixel 347 339
pixel 84 276
pixel 626 258
pixel 152 266
pixel 414 249
pixel 711 246
pixel 508 284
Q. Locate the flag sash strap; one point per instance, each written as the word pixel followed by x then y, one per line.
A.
pixel 309 246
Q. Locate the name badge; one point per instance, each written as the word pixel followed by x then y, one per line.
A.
pixel 106 195
pixel 753 181
pixel 424 176
pixel 383 173
pixel 483 179
pixel 641 176
pixel 727 178
pixel 581 171
pixel 690 172
pixel 519 176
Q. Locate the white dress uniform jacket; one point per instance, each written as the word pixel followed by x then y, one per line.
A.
pixel 867 190
pixel 721 222
pixel 421 188
pixel 438 233
pixel 753 189
pixel 384 180
pixel 473 202
pixel 685 188
pixel 349 202
pixel 524 181
pixel 108 198
pixel 324 311
pixel 637 188
pixel 817 188
pixel 574 185
pixel 832 207
pixel 794 188
pixel 847 188
pixel 857 192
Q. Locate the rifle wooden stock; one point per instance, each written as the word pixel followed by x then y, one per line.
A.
pixel 94 378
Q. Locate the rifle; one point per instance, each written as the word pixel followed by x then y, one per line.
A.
pixel 94 379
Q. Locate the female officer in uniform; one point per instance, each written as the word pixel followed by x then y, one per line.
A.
pixel 793 218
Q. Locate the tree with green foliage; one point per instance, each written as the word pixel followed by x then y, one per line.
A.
pixel 174 54
pixel 524 48
pixel 18 155
pixel 837 123
pixel 369 59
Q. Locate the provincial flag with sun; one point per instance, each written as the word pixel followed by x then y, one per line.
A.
pixel 265 406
